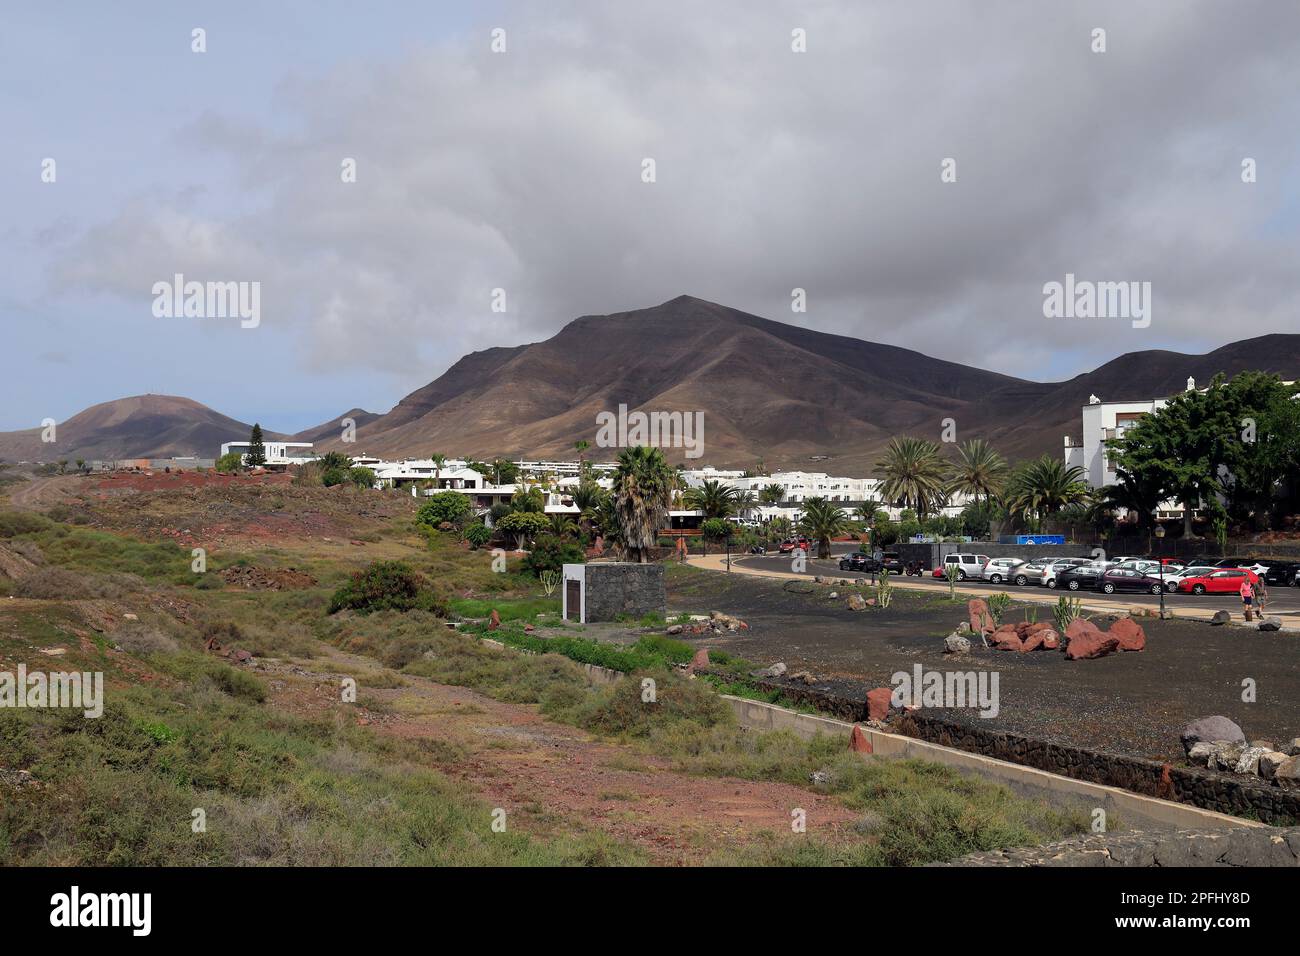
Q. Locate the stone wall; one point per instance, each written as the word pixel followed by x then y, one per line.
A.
pixel 615 588
pixel 1222 792
pixel 1244 846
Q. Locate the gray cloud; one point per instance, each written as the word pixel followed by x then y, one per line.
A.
pixel 775 170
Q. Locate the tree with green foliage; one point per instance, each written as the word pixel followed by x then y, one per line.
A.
pixel 714 499
pixel 643 486
pixel 532 500
pixel 913 473
pixel 256 448
pixel 361 476
pixel 443 507
pixel 771 495
pixel 524 526
pixel 822 520
pixel 979 471
pixel 551 553
pixel 1040 488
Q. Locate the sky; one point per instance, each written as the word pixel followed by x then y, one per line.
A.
pixel 523 170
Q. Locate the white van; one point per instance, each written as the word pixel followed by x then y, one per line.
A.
pixel 968 565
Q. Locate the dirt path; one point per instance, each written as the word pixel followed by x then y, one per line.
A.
pixel 42 493
pixel 552 778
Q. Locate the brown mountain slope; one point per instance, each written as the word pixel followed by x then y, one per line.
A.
pixel 767 390
pixel 142 426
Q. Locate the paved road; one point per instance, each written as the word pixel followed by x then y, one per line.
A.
pixel 1284 602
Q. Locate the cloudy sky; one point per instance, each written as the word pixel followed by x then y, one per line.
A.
pixel 522 170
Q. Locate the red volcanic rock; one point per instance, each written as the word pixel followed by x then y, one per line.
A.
pixel 981 621
pixel 1033 642
pixel 879 702
pixel 1006 638
pixel 701 659
pixel 1129 633
pixel 860 742
pixel 1090 644
pixel 1078 627
pixel 1051 640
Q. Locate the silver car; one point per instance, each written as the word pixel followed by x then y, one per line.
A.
pixel 999 569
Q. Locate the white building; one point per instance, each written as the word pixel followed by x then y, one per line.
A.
pixel 279 454
pixel 1102 422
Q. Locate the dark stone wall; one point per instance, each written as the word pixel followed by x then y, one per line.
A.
pixel 615 588
pixel 1234 794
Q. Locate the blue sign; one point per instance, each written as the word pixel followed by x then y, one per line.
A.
pixel 1033 539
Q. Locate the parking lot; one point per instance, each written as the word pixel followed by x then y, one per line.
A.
pixel 1282 601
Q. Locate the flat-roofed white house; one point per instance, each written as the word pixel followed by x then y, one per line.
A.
pixel 279 454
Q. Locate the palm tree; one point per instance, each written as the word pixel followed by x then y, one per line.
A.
pixel 772 494
pixel 581 446
pixel 643 485
pixel 979 471
pixel 562 525
pixel 913 473
pixel 588 497
pixel 1042 487
pixel 438 461
pixel 713 498
pixel 821 521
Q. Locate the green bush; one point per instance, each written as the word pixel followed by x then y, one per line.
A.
pixel 449 506
pixel 478 535
pixel 387 586
pixel 551 553
pixel 230 462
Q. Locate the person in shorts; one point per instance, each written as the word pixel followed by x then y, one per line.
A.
pixel 1247 597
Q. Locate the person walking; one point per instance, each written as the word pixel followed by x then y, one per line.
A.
pixel 1247 598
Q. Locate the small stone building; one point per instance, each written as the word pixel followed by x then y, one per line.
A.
pixel 602 590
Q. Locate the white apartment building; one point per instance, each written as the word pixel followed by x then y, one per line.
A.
pixel 1103 421
pixel 279 454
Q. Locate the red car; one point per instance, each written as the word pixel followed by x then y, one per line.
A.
pixel 1222 581
pixel 787 547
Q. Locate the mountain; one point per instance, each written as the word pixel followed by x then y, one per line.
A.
pixel 142 426
pixel 791 396
pixel 768 391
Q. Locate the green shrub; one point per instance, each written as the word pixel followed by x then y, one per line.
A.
pixel 230 463
pixel 386 585
pixel 478 535
pixel 551 553
pixel 450 506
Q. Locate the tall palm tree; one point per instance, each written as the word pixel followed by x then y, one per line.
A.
pixel 713 498
pixel 979 471
pixel 643 485
pixel 821 521
pixel 588 497
pixel 581 446
pixel 1042 487
pixel 438 462
pixel 913 473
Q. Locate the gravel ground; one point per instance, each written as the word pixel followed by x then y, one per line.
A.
pixel 1132 703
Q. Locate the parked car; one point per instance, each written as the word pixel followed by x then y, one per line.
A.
pixel 1031 572
pixel 860 561
pixel 891 562
pixel 1050 572
pixel 1081 576
pixel 1249 563
pixel 999 569
pixel 1283 573
pixel 789 544
pixel 1222 581
pixel 1126 579
pixel 967 565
